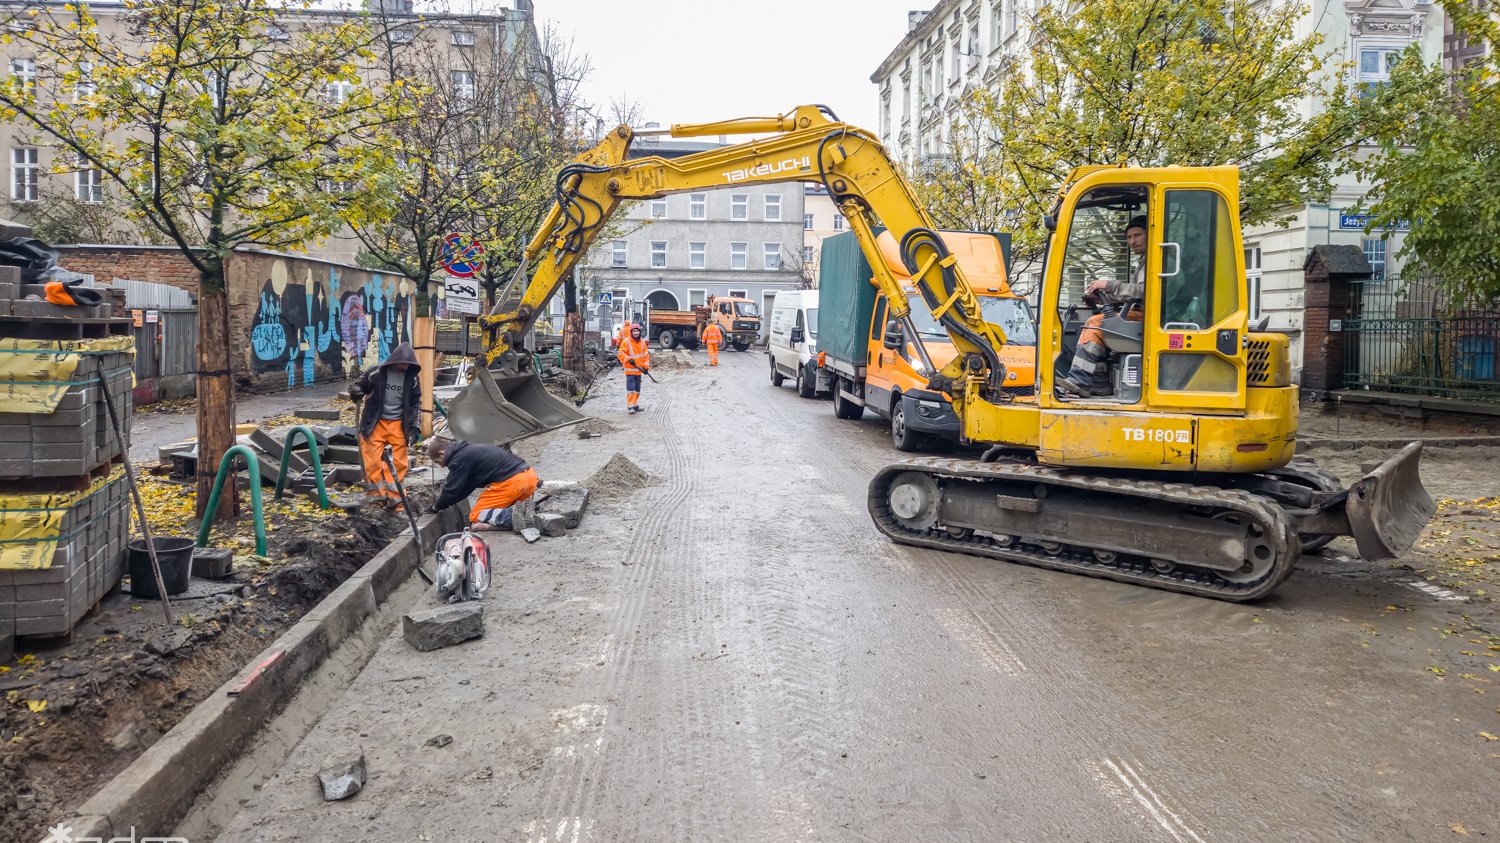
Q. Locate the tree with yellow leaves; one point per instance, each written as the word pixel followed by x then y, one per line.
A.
pixel 215 124
pixel 1146 83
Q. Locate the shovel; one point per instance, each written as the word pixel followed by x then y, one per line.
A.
pixel 411 518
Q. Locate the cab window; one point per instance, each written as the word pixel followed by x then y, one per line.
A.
pixel 1097 248
pixel 1199 278
pixel 877 325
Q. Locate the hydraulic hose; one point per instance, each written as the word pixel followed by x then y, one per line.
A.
pixel 955 319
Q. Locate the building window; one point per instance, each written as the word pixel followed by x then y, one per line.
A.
pixel 1252 280
pixel 807 254
pixel 772 253
pixel 698 206
pixel 23 74
pixel 340 91
pixel 463 85
pixel 697 298
pixel 697 255
pixel 463 38
pixel 739 206
pixel 618 250
pixel 1012 16
pixel 401 36
pixel 658 209
pixel 1375 254
pixel 276 33
pixel 85 86
pixel 773 207
pixel 23 174
pixel 739 294
pixel 958 59
pixel 88 185
pixel 807 222
pixel 838 222
pixel 973 44
pixel 737 255
pixel 658 254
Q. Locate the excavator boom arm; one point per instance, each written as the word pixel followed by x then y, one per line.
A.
pixel 808 146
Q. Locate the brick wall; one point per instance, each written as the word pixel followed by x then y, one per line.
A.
pixel 160 264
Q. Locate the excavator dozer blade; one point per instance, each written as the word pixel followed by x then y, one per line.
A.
pixel 501 410
pixel 1388 509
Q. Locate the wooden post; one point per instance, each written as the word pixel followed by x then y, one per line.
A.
pixel 215 390
pixel 572 347
pixel 424 342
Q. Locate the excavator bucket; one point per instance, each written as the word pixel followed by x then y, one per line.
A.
pixel 500 410
pixel 1388 509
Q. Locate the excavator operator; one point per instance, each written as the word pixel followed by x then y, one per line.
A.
pixel 1091 357
pixel 635 357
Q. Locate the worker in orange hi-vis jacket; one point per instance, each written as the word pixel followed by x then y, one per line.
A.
pixel 713 337
pixel 635 358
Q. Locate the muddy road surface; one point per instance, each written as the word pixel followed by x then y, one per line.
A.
pixel 730 651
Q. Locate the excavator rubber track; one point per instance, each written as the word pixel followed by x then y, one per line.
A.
pixel 1071 547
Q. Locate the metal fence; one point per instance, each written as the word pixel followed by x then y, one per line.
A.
pixel 1406 338
pixel 166 345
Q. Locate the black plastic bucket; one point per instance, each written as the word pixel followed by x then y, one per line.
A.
pixel 176 558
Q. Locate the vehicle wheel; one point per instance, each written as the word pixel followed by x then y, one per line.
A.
pixel 666 339
pixel 777 378
pixel 742 346
pixel 904 438
pixel 807 383
pixel 842 407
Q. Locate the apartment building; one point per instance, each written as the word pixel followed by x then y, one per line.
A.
pixel 957 47
pixel 462 48
pixel 677 251
pixel 820 219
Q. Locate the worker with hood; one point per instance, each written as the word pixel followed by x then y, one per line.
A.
pixel 391 415
pixel 506 479
pixel 635 357
pixel 713 337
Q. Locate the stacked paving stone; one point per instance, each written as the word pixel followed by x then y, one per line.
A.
pixel 71 453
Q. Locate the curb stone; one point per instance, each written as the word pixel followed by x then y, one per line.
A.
pixel 156 791
pixel 1304 445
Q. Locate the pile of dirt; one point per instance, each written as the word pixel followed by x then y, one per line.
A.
pixel 673 360
pixel 593 427
pixel 618 478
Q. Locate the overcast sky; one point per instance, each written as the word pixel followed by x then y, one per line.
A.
pixel 692 61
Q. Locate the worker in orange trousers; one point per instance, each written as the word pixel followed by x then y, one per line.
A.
pixel 391 415
pixel 635 357
pixel 713 337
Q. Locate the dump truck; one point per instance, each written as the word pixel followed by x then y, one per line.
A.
pixel 864 374
pixel 738 318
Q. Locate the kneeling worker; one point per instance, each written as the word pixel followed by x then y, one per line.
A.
pixel 505 478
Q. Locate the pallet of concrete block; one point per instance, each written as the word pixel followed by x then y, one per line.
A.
pixel 62 549
pixel 53 421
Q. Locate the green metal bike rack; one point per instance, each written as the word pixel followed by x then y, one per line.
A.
pixel 317 462
pixel 226 467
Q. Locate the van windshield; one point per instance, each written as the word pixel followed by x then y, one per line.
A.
pixel 746 308
pixel 812 321
pixel 921 317
pixel 1013 317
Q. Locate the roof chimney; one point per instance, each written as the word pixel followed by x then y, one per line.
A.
pixel 914 19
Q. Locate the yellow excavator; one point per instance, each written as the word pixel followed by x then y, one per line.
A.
pixel 1177 474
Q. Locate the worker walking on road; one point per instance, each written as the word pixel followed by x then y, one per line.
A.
pixel 713 337
pixel 506 479
pixel 391 415
pixel 635 357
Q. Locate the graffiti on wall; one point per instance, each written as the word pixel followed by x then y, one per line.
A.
pixel 300 324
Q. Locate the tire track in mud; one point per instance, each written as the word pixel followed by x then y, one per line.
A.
pixel 573 778
pixel 981 624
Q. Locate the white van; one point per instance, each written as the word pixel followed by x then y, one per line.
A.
pixel 793 347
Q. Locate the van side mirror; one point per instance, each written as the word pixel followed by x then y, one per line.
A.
pixel 798 335
pixel 895 337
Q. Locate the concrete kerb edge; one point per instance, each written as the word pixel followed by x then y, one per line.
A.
pixel 156 791
pixel 1304 445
